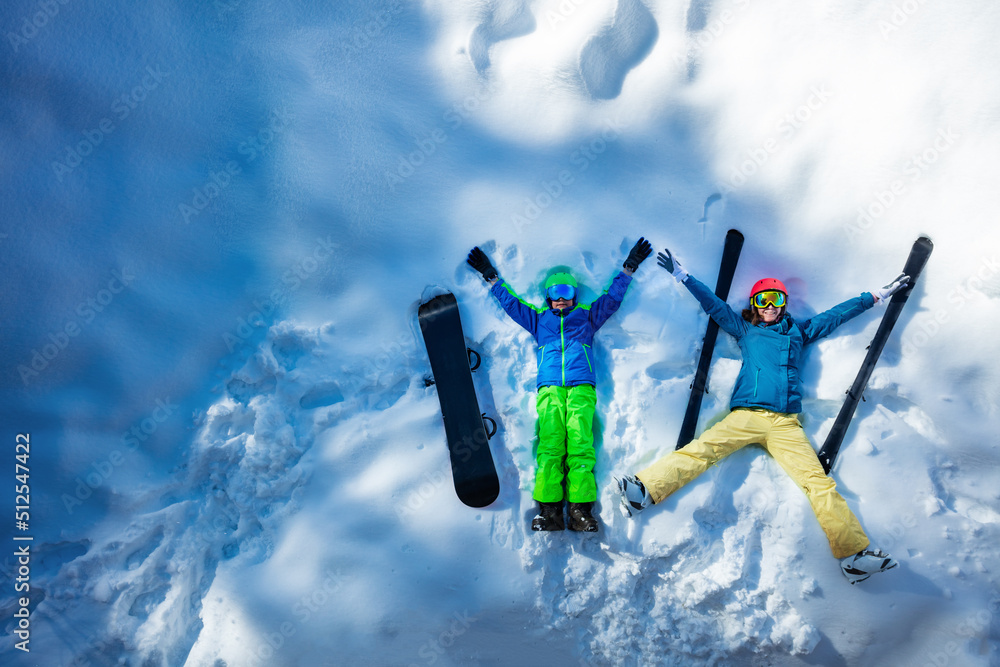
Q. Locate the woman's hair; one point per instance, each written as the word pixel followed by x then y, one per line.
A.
pixel 753 317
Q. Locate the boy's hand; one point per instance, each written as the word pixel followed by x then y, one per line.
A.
pixel 480 262
pixel 639 252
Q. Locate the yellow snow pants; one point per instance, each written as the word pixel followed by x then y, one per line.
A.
pixel 781 435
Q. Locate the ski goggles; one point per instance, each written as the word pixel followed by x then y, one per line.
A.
pixel 769 298
pixel 557 292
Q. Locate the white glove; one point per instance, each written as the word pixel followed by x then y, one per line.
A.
pixel 668 262
pixel 898 283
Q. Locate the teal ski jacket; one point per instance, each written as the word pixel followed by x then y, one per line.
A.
pixel 769 377
pixel 565 342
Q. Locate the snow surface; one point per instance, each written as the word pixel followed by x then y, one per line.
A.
pixel 219 219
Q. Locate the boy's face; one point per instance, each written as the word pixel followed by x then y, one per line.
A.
pixel 561 304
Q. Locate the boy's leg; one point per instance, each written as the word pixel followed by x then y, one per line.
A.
pixel 738 429
pixel 790 447
pixel 580 456
pixel 551 452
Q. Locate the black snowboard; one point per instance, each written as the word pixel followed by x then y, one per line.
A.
pixel 921 250
pixel 727 269
pixel 472 468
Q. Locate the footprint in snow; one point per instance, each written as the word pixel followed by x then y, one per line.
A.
pixel 697 15
pixel 608 57
pixel 504 20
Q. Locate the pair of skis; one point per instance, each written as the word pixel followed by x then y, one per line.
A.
pixel 919 254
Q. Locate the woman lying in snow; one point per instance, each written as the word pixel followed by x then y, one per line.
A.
pixel 764 407
pixel 564 331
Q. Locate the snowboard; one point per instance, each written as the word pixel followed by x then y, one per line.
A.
pixel 727 269
pixel 472 467
pixel 919 254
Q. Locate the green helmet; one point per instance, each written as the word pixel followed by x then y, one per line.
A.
pixel 561 278
pixel 560 286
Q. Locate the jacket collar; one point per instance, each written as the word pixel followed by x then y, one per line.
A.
pixel 781 326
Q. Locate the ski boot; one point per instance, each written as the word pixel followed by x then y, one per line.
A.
pixel 634 496
pixel 580 518
pixel 549 517
pixel 865 563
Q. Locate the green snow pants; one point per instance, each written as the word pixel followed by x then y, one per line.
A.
pixel 566 444
pixel 782 437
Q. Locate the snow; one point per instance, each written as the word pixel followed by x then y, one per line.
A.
pixel 218 223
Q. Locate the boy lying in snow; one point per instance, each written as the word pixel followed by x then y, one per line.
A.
pixel 564 331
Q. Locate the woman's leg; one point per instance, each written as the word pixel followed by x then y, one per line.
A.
pixel 790 447
pixel 738 429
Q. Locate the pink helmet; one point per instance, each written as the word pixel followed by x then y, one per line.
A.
pixel 765 284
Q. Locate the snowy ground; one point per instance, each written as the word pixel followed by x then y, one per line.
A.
pixel 219 219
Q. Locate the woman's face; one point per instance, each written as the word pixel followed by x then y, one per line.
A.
pixel 769 314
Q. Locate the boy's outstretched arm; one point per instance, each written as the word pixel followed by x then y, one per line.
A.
pixel 608 303
pixel 639 252
pixel 480 262
pixel 520 311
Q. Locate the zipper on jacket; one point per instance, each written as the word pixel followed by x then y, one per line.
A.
pixel 756 382
pixel 587 357
pixel 562 338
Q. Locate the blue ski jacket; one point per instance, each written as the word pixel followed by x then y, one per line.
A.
pixel 565 357
pixel 769 377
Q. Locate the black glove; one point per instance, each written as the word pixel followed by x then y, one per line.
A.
pixel 480 262
pixel 639 252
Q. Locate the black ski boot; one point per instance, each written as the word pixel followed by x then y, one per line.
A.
pixel 549 517
pixel 581 519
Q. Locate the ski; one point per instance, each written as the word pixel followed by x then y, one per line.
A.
pixel 472 468
pixel 727 269
pixel 921 250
